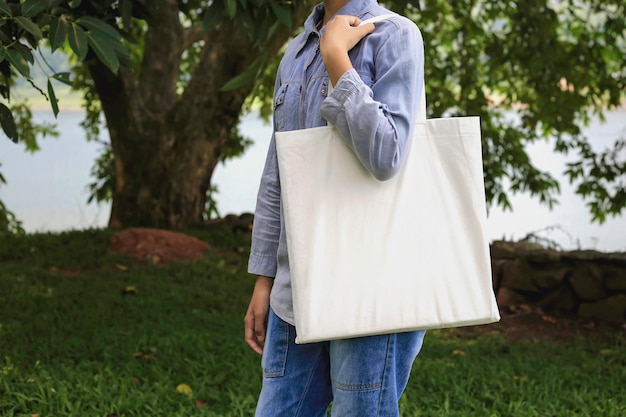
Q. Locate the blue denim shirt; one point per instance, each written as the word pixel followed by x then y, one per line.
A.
pixel 373 106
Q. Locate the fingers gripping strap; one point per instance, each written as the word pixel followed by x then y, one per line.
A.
pixel 422 107
pixel 377 18
pixel 365 22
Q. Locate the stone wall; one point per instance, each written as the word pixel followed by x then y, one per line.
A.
pixel 589 284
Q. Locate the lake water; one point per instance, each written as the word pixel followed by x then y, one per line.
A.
pixel 48 190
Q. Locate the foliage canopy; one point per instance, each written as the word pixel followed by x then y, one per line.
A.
pixel 533 70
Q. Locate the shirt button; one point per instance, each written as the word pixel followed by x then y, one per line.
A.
pixel 323 92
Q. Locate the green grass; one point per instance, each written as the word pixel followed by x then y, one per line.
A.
pixel 84 332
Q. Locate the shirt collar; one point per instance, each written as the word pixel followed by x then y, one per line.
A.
pixel 357 7
pixel 353 8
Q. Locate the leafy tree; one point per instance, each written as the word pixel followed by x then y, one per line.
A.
pixel 161 90
pixel 22 26
pixel 552 62
pixel 172 105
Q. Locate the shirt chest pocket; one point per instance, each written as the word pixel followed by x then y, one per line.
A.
pixel 286 107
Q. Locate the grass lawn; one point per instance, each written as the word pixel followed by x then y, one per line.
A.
pixel 84 332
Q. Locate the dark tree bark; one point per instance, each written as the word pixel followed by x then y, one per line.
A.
pixel 166 144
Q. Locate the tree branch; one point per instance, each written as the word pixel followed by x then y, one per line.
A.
pixel 230 52
pixel 118 94
pixel 192 35
pixel 164 45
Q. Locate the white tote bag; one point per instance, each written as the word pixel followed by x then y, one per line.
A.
pixel 369 257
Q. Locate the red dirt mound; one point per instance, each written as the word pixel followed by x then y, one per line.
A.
pixel 158 246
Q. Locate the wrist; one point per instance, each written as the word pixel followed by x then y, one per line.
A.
pixel 337 65
pixel 264 281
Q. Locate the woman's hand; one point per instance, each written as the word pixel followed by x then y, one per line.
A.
pixel 342 33
pixel 255 321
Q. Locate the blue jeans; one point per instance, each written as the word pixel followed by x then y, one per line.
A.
pixel 363 377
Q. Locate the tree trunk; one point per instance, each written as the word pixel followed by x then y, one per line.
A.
pixel 165 144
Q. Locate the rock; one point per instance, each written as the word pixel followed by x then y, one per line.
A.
pixel 561 300
pixel 501 249
pixel 549 278
pixel 509 298
pixel 583 255
pixel 525 245
pixel 586 281
pixel 617 258
pixel 496 272
pixel 239 223
pixel 543 256
pixel 518 275
pixel 244 223
pixel 230 218
pixel 612 309
pixel 615 279
pixel 247 217
pixel 157 246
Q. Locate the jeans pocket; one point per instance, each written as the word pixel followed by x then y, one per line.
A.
pixel 276 347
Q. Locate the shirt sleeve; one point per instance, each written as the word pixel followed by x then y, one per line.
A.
pixel 377 122
pixel 266 228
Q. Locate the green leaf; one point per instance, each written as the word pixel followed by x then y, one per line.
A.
pixel 3 54
pixel 53 99
pixel 29 26
pixel 75 3
pixel 126 11
pixel 5 38
pixel 26 52
pixel 8 123
pixel 63 77
pixel 78 41
pixel 231 8
pixel 212 17
pixel 5 92
pixel 96 25
pixel 58 33
pixel 281 14
pixel 18 61
pixel 105 41
pixel 5 9
pixel 246 77
pixel 33 7
pixel 102 46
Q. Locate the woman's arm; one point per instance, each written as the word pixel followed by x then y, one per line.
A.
pixel 376 123
pixel 265 239
pixel 255 321
pixel 342 33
